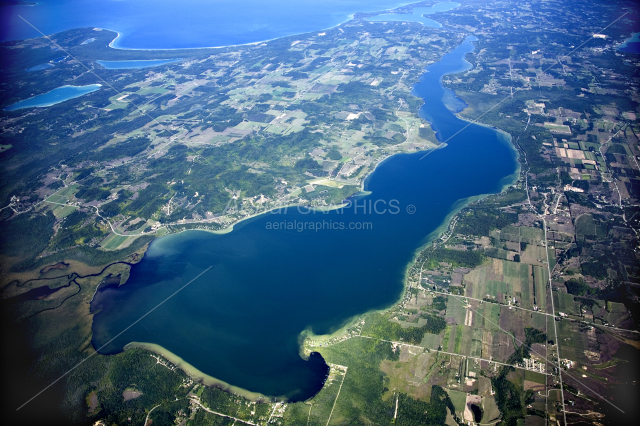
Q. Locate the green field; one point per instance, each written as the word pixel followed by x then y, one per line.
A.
pixel 559 128
pixel 459 400
pixel 516 274
pixel 490 409
pixel 535 377
pixel 531 235
pixel 447 337
pixel 495 287
pixel 538 321
pixel 541 281
pixel 587 227
pixel 456 309
pixel 150 90
pixel 432 341
pixel 565 303
pixel 114 241
pixel 476 342
pixel 457 346
pixel 62 211
pixel 491 315
pixel 572 343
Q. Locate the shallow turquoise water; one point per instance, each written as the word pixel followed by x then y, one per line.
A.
pixel 632 44
pixel 170 24
pixel 55 96
pixel 40 67
pixel 124 65
pixel 241 321
pixel 417 14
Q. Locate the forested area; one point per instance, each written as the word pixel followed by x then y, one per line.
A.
pixel 381 327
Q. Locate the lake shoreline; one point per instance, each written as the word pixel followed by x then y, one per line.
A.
pixel 198 375
pixel 90 88
pixel 500 138
pixel 114 44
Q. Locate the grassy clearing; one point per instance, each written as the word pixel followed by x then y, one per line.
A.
pixel 495 287
pixel 540 280
pixel 476 283
pixel 566 303
pixel 432 341
pixel 63 211
pixel 113 241
pixel 447 337
pixel 149 90
pixel 456 309
pixel 458 338
pixel 607 364
pixel 586 226
pixel 491 316
pixel 535 377
pixel 515 274
pixel 476 342
pixel 571 342
pixel 490 409
pixel 538 321
pixel 459 400
pixel 534 255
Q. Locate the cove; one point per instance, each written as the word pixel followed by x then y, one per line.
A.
pixel 126 65
pixel 417 14
pixel 169 24
pixel 60 94
pixel 276 275
pixel 631 45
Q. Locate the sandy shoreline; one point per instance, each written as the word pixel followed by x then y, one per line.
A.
pixel 196 374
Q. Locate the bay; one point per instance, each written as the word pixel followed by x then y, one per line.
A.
pixel 631 45
pixel 280 274
pixel 417 14
pixel 168 24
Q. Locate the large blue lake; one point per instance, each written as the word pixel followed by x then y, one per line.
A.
pixel 164 24
pixel 60 94
pixel 128 65
pixel 241 320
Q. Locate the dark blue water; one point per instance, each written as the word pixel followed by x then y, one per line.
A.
pixel 241 321
pixel 631 45
pixel 164 24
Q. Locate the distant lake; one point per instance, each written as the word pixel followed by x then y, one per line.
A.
pixel 40 67
pixel 124 65
pixel 272 277
pixel 170 24
pixel 416 15
pixel 631 45
pixel 55 96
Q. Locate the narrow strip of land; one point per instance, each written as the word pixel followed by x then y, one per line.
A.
pixel 555 327
pixel 338 395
